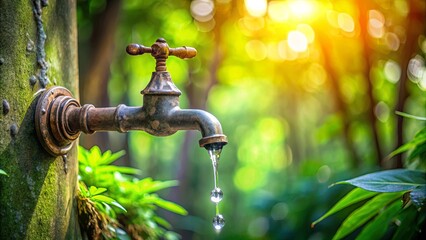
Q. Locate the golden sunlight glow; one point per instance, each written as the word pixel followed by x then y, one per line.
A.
pixel 345 22
pixel 278 11
pixel 256 8
pixel 301 8
pixel 376 24
pixel 307 30
pixel 256 50
pixel 285 52
pixel 297 41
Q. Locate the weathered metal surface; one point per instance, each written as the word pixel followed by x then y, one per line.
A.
pixel 60 119
pixel 51 120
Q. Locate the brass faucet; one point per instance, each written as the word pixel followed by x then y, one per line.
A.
pixel 59 118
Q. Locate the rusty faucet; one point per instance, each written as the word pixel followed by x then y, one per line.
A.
pixel 60 119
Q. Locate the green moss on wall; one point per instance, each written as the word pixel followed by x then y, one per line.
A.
pixel 37 199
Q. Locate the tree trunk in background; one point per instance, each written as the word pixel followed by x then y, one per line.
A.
pixel 341 108
pixel 37 199
pixel 371 117
pixel 95 75
pixel 414 28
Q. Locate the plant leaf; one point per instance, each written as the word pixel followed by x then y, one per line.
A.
pixel 419 138
pixel 163 222
pixel 154 186
pixel 102 198
pixel 418 196
pixel 120 169
pixel 361 215
pixel 96 191
pixel 408 222
pixel 395 180
pixel 118 205
pixel 171 206
pixel 109 157
pixel 3 172
pixel 378 227
pixel 354 196
pixel 417 152
pixel 407 115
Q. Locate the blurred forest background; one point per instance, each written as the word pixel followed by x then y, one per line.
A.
pixel 306 92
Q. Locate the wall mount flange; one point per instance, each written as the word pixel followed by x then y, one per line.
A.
pixel 50 121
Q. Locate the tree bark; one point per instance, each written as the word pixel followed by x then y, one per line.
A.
pixel 38 48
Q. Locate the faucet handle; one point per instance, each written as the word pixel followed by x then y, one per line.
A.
pixel 160 50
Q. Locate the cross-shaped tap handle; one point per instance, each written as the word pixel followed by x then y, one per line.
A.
pixel 160 50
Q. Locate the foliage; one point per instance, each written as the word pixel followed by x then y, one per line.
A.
pixel 2 172
pixel 128 208
pixel 304 90
pixel 380 194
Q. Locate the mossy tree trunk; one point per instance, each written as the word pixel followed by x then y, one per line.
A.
pixel 38 49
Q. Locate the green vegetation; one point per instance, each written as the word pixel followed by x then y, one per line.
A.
pixel 309 93
pixel 391 199
pixel 117 204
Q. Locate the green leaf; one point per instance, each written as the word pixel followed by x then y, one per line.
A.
pixel 418 196
pixel 354 196
pixel 417 152
pixel 171 206
pixel 120 169
pixel 154 186
pixel 395 180
pixel 102 198
pixel 407 228
pixel 108 200
pixel 118 205
pixel 108 158
pixel 95 191
pixel 163 222
pixel 418 139
pixel 410 116
pixel 378 227
pixel 361 215
pixel 3 172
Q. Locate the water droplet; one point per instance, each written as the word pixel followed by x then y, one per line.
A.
pixel 218 222
pixel 216 195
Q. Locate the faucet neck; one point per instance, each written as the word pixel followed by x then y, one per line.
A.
pixel 161 84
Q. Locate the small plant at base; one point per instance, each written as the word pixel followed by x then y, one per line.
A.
pixel 137 196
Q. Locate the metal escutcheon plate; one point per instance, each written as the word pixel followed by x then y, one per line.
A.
pixel 48 117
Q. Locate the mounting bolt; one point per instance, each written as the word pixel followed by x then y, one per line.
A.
pixel 6 107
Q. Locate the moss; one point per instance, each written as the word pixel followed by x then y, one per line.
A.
pixel 37 199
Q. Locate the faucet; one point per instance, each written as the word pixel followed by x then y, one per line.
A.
pixel 59 118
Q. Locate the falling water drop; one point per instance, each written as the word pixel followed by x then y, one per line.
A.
pixel 218 222
pixel 216 195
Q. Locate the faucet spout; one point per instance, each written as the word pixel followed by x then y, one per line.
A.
pixel 206 123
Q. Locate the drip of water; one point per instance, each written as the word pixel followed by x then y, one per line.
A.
pixel 218 222
pixel 216 194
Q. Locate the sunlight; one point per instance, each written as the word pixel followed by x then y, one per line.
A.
pixel 297 41
pixel 278 11
pixel 345 22
pixel 256 50
pixel 302 8
pixel 376 24
pixel 256 8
